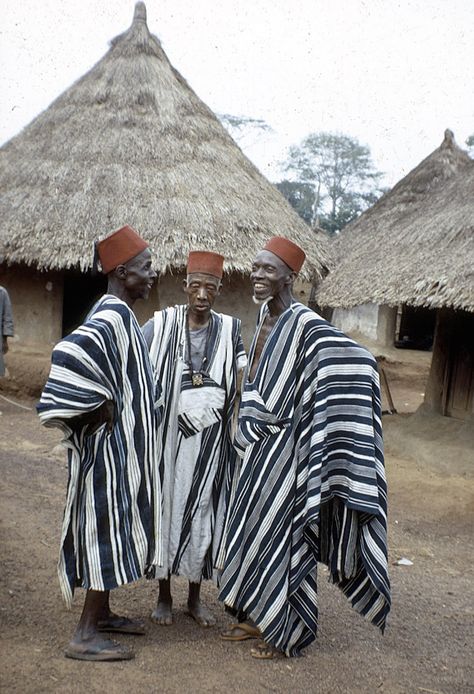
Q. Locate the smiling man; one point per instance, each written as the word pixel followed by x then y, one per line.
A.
pixel 101 392
pixel 312 483
pixel 197 354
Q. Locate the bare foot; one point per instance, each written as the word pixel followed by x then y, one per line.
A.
pixel 120 625
pixel 201 614
pixel 162 614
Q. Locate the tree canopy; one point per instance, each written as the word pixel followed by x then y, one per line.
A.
pixel 470 144
pixel 339 171
pixel 245 130
pixel 300 196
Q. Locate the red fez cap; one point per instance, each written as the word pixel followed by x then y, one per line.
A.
pixel 286 250
pixel 119 248
pixel 205 261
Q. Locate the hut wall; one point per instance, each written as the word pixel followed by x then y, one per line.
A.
pixel 386 324
pixel 373 321
pixel 236 300
pixel 362 319
pixel 37 301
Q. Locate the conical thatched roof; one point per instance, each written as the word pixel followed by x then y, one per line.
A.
pixel 131 143
pixel 416 244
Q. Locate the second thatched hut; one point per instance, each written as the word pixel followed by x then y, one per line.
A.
pixel 415 248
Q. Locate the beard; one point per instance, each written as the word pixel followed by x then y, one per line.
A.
pixel 261 302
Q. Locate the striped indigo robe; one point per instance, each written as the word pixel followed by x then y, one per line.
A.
pixel 312 482
pixel 197 457
pixel 111 521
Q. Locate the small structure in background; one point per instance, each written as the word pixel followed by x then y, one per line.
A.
pixel 6 326
pixel 415 247
pixel 131 143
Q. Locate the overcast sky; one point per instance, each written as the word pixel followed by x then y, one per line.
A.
pixel 392 74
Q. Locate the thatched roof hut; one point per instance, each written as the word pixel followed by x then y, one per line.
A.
pixel 415 246
pixel 130 142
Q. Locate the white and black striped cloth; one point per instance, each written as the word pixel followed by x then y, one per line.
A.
pixel 312 482
pixel 113 508
pixel 197 457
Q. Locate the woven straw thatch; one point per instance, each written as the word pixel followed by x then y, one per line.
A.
pixel 131 143
pixel 416 244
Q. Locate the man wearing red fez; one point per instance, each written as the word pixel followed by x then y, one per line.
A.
pixel 312 484
pixel 101 393
pixel 197 354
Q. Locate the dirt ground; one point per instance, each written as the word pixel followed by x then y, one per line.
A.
pixel 429 640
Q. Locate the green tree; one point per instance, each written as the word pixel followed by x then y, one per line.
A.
pixel 341 173
pixel 300 196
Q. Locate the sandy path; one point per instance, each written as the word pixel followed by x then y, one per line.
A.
pixel 427 646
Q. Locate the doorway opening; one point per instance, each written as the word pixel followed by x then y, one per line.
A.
pixel 81 291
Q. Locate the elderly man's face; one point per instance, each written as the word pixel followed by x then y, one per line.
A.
pixel 201 290
pixel 269 276
pixel 140 275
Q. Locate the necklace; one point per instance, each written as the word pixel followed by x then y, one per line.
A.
pixel 197 378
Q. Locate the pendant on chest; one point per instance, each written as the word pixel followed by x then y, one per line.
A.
pixel 197 380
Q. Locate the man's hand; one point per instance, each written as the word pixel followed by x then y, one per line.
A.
pixel 5 344
pixel 95 419
pixel 108 415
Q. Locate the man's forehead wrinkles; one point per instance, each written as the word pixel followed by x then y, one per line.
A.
pixel 203 278
pixel 264 263
pixel 267 258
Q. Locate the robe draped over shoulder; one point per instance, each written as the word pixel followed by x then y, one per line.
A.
pixel 111 524
pixel 312 482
